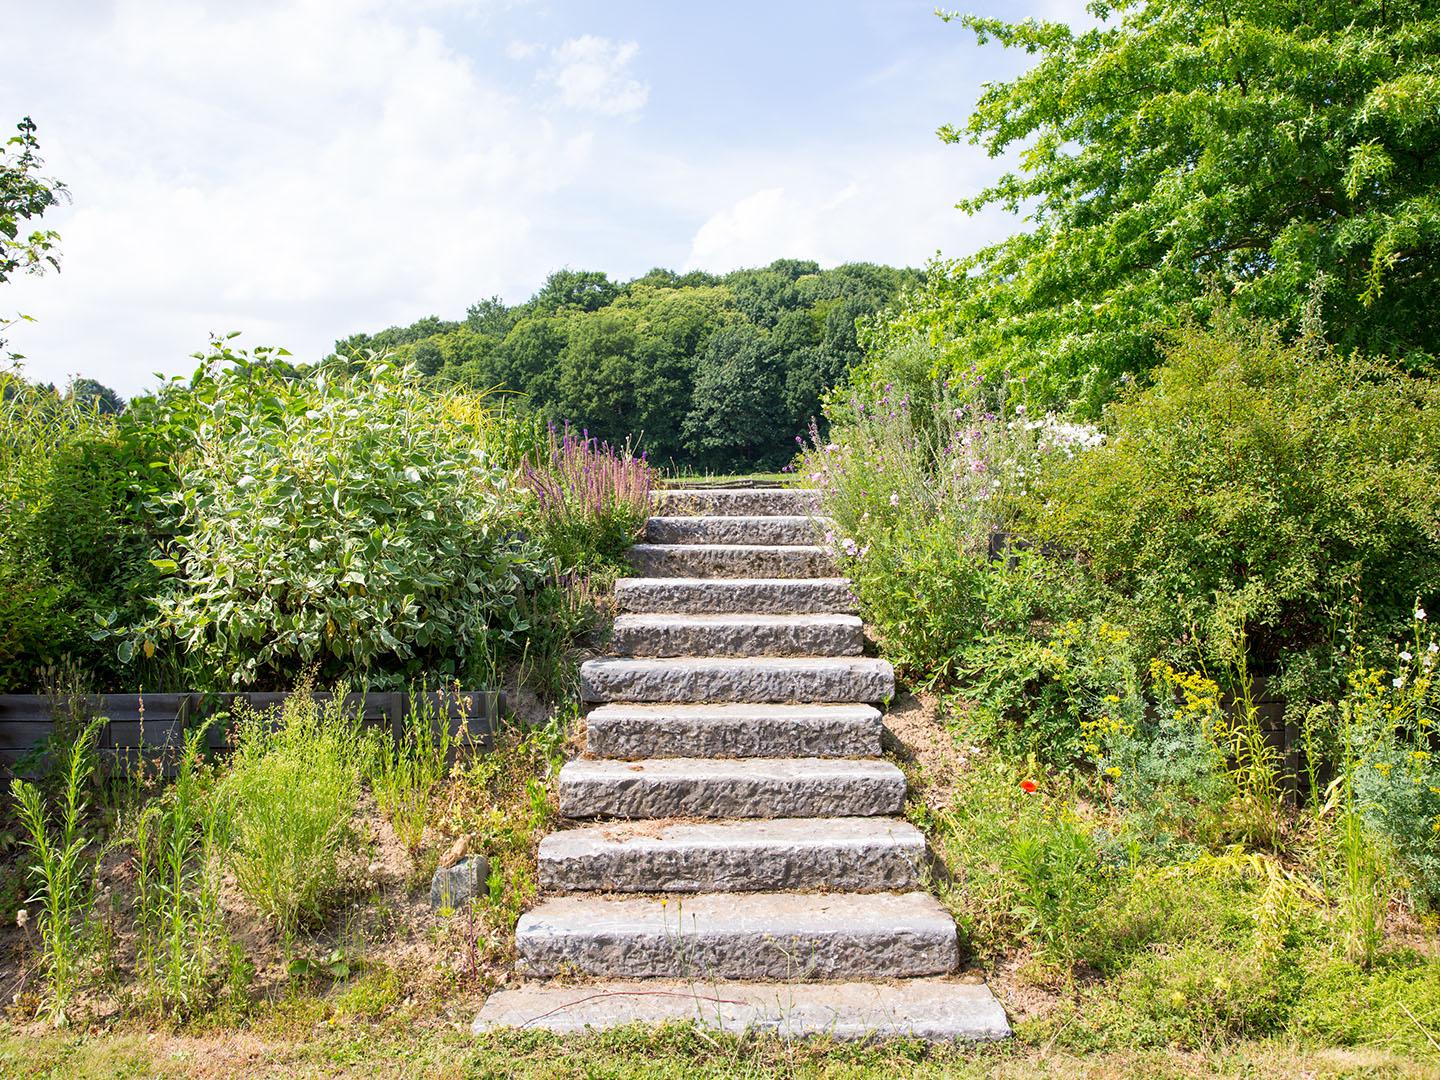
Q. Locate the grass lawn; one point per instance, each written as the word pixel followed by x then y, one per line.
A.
pixel 401 1046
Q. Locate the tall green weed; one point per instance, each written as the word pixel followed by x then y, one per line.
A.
pixel 289 797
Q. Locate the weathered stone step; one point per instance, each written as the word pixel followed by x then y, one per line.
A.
pixel 726 788
pixel 938 1010
pixel 737 730
pixel 738 635
pixel 774 596
pixel 724 678
pixel 734 530
pixel 731 560
pixel 740 936
pixel 737 502
pixel 850 854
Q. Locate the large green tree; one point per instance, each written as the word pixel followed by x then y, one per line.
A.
pixel 1260 148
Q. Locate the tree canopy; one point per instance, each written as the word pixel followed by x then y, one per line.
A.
pixel 1261 149
pixel 24 196
pixel 714 371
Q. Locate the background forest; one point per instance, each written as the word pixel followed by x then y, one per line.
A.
pixel 712 372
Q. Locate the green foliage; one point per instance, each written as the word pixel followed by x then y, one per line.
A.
pixel 74 542
pixel 60 866
pixel 1259 147
pixel 405 773
pixel 24 196
pixel 503 799
pixel 736 405
pixel 640 361
pixel 591 499
pixel 1255 497
pixel 354 522
pixel 289 799
pixel 178 846
pixel 1383 730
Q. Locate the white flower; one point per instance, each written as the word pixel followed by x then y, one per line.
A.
pixel 1398 681
pixel 1433 648
pixel 1019 410
pixel 895 499
pixel 1405 655
pixel 1420 613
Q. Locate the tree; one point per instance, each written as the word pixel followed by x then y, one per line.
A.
pixel 491 317
pixel 622 382
pixel 101 396
pixel 1254 147
pixel 737 418
pixel 582 290
pixel 24 196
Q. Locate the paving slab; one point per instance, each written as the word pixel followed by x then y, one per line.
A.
pixel 731 560
pixel 724 788
pixel 740 936
pixel 746 502
pixel 788 529
pixel 737 635
pixel 866 854
pixel 699 595
pixel 735 730
pixel 776 679
pixel 937 1010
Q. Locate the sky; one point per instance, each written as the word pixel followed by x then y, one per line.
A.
pixel 300 171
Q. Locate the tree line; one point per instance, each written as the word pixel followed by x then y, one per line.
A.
pixel 707 371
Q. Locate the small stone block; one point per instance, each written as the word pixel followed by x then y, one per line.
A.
pixel 454 886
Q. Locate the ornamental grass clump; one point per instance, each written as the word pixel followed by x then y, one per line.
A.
pixel 591 497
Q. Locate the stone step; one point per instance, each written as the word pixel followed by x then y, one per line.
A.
pixel 730 788
pixel 740 936
pixel 737 502
pixel 771 596
pixel 724 678
pixel 731 560
pixel 937 1010
pixel 738 635
pixel 842 854
pixel 733 731
pixel 734 530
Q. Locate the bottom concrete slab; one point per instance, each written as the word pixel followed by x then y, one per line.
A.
pixel 934 1009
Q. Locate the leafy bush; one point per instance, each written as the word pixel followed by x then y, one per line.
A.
pixel 289 798
pixel 349 519
pixel 73 537
pixel 1255 497
pixel 920 492
pixel 1385 732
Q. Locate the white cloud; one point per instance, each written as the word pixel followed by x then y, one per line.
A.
pixel 592 73
pixel 300 169
pixel 897 208
pixel 523 50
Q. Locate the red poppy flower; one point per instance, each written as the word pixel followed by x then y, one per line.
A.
pixel 1029 787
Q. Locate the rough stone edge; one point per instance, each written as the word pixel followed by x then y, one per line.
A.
pixel 610 1004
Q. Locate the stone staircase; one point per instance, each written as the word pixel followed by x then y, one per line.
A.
pixel 748 868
